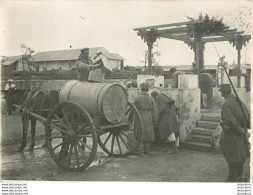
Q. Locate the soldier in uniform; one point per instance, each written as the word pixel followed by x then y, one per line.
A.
pixel 9 85
pixel 233 141
pixel 168 127
pixel 84 66
pixel 146 106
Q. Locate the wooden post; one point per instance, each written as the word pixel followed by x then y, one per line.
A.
pixel 238 42
pixel 239 48
pixel 197 55
pixel 150 37
pixel 150 45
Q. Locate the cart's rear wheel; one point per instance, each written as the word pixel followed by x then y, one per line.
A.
pixel 71 136
pixel 122 141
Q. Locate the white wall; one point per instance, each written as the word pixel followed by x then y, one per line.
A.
pixel 158 80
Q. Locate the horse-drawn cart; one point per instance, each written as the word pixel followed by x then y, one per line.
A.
pixel 90 114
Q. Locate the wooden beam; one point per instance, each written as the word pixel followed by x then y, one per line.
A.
pixel 230 30
pixel 169 25
pixel 177 37
pixel 224 38
pixel 173 30
pixel 234 36
pixel 214 39
pixel 235 33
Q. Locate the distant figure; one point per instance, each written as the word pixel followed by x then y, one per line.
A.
pixel 85 66
pixel 175 73
pixel 194 68
pixel 9 85
pixel 129 83
pixel 146 106
pixel 233 142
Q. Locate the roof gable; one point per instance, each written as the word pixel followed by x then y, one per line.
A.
pixel 10 60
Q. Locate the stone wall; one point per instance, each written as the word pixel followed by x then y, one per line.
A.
pixel 45 85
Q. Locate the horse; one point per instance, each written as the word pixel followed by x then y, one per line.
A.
pixel 33 100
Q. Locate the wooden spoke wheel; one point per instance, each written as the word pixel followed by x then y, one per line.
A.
pixel 71 136
pixel 123 140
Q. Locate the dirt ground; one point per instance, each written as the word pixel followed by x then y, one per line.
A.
pixel 185 166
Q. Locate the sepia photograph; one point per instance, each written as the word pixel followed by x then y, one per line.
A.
pixel 125 91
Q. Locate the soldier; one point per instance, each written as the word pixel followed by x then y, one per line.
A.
pixel 233 141
pixel 84 66
pixel 168 126
pixel 9 85
pixel 146 106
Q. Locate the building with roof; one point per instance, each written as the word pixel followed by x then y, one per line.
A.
pixel 13 63
pixel 67 59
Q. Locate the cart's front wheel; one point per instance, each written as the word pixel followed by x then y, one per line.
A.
pixel 71 136
pixel 125 140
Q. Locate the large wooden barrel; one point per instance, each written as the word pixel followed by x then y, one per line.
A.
pixel 106 100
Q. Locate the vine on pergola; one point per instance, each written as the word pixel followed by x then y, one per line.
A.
pixel 210 26
pixel 213 25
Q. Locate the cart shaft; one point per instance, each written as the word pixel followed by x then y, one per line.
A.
pixel 40 118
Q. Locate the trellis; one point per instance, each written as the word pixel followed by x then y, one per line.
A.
pixel 184 31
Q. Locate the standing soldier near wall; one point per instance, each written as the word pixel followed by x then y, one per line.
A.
pixel 233 141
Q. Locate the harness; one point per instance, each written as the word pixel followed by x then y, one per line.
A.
pixel 30 103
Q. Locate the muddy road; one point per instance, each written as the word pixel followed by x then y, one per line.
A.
pixel 185 166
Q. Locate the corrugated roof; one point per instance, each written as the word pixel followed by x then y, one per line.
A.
pixel 71 54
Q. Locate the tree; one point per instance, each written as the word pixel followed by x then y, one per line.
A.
pixel 27 57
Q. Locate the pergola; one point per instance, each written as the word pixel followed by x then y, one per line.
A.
pixel 185 31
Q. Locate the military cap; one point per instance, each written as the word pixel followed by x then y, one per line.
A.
pixel 226 88
pixel 10 80
pixel 154 94
pixel 144 86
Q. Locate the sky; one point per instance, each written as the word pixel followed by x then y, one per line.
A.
pixel 57 25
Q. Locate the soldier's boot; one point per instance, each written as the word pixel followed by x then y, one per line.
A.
pixel 231 172
pixel 239 170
